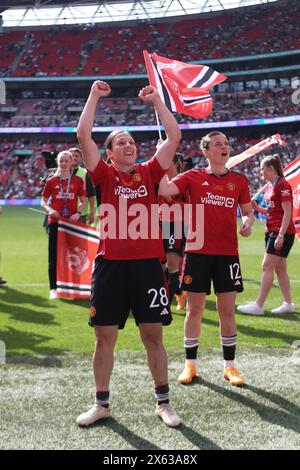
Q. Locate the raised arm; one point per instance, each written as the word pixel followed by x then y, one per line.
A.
pixel 167 188
pixel 89 149
pixel 167 149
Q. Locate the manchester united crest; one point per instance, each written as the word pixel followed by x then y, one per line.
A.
pixel 137 178
pixel 92 311
pixel 230 186
pixel 188 279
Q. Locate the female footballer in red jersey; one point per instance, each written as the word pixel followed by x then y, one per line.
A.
pixel 60 198
pixel 214 192
pixel 128 274
pixel 279 238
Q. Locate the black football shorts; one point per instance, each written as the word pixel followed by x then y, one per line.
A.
pixel 121 286
pixel 199 270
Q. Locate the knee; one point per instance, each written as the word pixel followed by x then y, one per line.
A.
pixel 194 311
pixel 280 269
pixel 267 267
pixel 103 342
pixel 152 340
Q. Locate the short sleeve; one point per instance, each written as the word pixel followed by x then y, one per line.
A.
pixel 244 196
pixel 156 171
pixel 99 174
pixel 47 191
pixel 182 182
pixel 284 191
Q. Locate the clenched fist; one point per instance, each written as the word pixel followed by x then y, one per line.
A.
pixel 100 88
pixel 149 94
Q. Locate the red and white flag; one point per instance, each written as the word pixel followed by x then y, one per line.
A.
pixel 76 250
pixel 292 175
pixel 183 87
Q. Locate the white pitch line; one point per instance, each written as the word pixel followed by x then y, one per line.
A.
pixel 292 281
pixel 26 285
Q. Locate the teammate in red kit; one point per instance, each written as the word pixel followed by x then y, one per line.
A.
pixel 279 238
pixel 173 230
pixel 128 274
pixel 215 193
pixel 60 198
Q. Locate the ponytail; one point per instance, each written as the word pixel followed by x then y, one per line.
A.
pixel 275 162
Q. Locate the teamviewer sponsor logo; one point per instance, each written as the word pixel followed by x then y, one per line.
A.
pixel 229 202
pixel 128 193
pixel 216 200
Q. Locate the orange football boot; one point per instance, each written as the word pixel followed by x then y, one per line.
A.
pixel 188 373
pixel 232 374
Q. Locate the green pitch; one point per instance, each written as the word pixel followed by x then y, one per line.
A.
pixel 47 380
pixel 33 325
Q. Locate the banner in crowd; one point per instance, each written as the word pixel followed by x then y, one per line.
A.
pixel 255 149
pixel 76 250
pixel 183 87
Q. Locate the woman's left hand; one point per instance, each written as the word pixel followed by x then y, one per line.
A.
pixel 278 243
pixel 245 229
pixel 148 94
pixel 74 217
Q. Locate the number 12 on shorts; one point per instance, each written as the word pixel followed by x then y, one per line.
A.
pixel 235 272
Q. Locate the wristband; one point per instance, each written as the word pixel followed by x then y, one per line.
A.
pixel 280 236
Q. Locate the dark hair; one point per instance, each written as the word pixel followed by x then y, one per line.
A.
pixel 75 149
pixel 178 161
pixel 109 141
pixel 178 158
pixel 275 162
pixel 204 144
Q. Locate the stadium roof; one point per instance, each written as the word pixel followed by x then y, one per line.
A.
pixel 26 13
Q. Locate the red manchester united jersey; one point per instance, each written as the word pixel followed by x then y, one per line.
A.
pixel 275 195
pixel 60 199
pixel 214 200
pixel 129 211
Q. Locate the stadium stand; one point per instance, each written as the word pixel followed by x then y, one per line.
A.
pixel 65 112
pixel 108 50
pixel 105 49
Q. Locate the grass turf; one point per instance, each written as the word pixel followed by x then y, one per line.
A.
pixel 40 402
pixel 31 324
pixel 48 380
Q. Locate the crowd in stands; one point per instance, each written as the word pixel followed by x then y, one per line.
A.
pixel 117 112
pixel 102 49
pixel 21 175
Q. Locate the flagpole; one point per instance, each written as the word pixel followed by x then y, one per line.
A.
pixel 158 125
pixel 37 210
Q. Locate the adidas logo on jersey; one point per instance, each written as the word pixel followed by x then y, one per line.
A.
pixel 205 183
pixel 237 283
pixel 165 312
